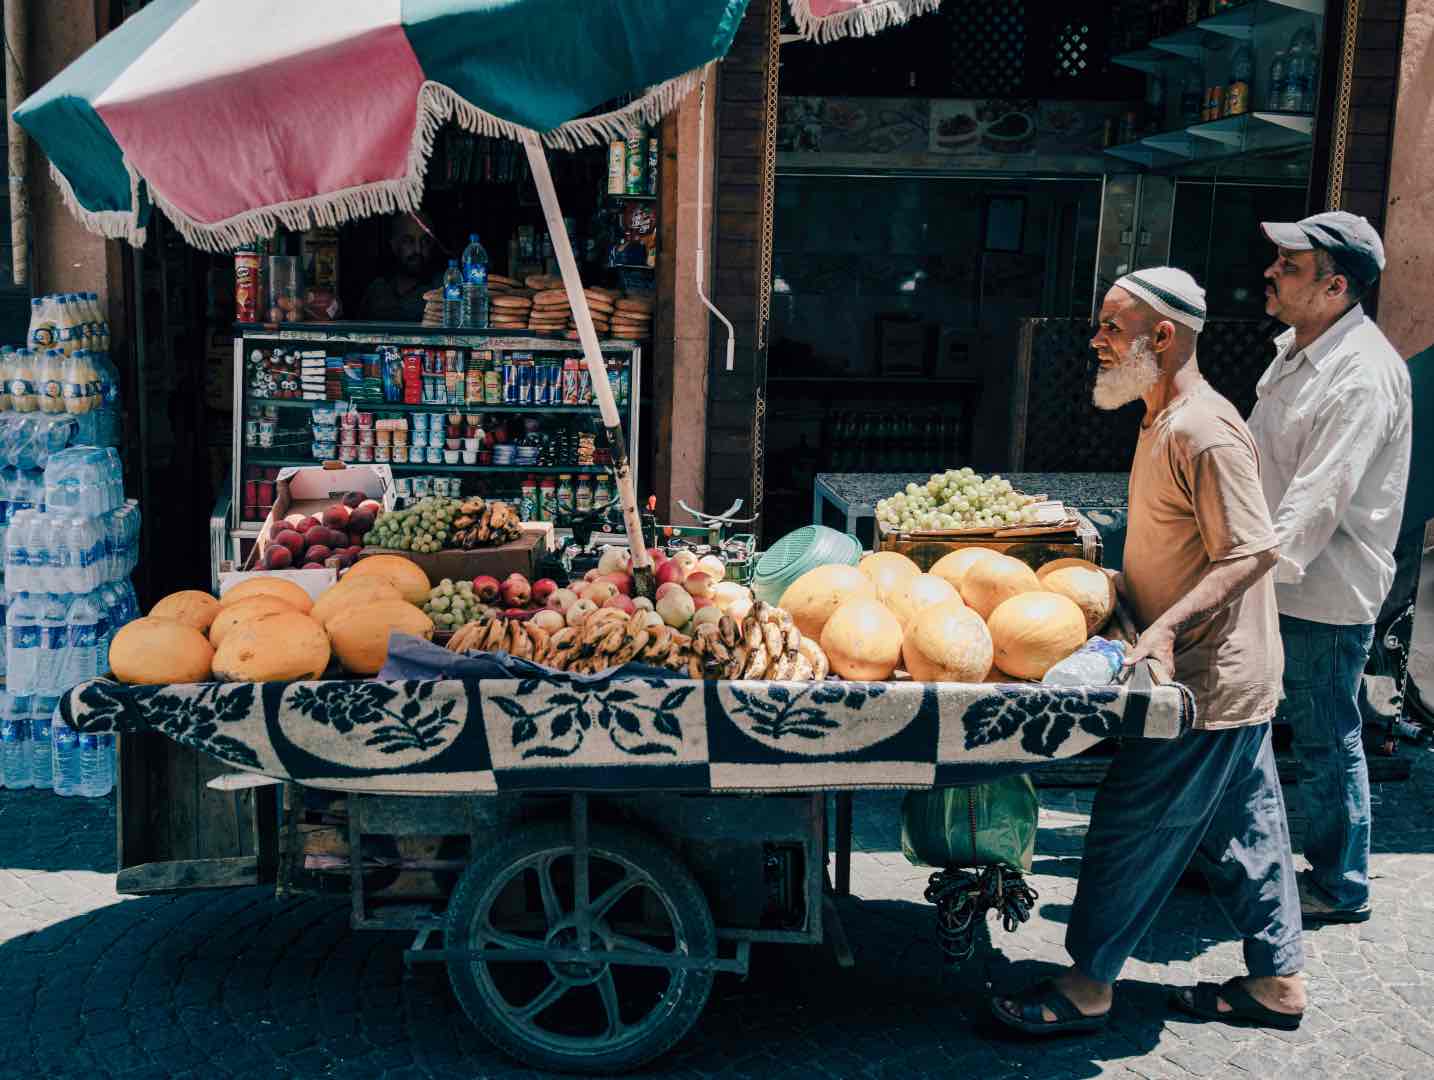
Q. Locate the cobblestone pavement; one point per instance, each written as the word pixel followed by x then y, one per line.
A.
pixel 236 983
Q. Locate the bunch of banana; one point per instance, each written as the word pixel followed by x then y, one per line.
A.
pixel 493 633
pixel 485 524
pixel 773 648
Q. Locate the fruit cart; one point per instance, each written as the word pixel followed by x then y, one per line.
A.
pixel 584 854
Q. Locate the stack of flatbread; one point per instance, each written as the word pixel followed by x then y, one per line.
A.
pixel 631 318
pixel 508 311
pixel 543 282
pixel 550 312
pixel 600 305
pixel 433 307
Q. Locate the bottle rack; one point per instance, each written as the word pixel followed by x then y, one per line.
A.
pixel 1261 26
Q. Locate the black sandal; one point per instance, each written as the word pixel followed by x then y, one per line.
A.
pixel 1203 1001
pixel 1030 1019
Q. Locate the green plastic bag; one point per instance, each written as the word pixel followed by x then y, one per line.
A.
pixel 991 824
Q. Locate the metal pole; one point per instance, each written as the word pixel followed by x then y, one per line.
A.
pixel 141 388
pixel 642 569
pixel 19 158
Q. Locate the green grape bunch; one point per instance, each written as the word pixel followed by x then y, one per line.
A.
pixel 956 499
pixel 425 527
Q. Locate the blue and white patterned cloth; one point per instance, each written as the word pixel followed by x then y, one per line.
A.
pixel 503 725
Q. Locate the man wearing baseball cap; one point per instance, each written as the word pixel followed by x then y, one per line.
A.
pixel 1333 428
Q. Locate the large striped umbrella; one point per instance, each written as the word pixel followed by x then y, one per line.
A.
pixel 236 117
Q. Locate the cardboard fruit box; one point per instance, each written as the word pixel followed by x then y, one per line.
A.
pixel 310 490
pixel 1034 545
pixel 521 556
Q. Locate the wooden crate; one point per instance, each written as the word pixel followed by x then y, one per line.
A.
pixel 1034 546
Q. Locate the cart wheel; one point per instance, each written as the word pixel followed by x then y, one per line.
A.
pixel 593 1016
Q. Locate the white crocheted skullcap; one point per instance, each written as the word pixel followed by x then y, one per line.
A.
pixel 1171 292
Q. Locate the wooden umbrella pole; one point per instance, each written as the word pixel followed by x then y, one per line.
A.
pixel 15 45
pixel 642 569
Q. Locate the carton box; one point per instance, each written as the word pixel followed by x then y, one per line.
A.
pixel 309 490
pixel 519 557
pixel 1033 545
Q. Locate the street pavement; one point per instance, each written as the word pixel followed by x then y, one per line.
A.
pixel 237 983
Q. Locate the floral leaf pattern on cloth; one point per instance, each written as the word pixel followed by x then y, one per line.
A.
pixel 1044 718
pixel 810 718
pixel 551 718
pixel 363 723
pixel 193 714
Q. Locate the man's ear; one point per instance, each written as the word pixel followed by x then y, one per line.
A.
pixel 1162 335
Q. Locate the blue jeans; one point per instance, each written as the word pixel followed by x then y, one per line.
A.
pixel 1323 669
pixel 1210 799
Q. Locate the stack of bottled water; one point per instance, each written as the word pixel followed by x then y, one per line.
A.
pixel 69 552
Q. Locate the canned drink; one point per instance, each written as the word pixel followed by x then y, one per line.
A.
pixel 400 455
pixel 251 433
pixel 365 454
pixel 555 383
pixel 585 386
pixel 246 285
pixel 637 164
pixel 570 381
pixel 652 156
pixel 525 383
pixel 251 493
pixel 510 382
pixel 382 455
pixel 541 392
pixel 348 453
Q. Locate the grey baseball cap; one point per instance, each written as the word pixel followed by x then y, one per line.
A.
pixel 1349 238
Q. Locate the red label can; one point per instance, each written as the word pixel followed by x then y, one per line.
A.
pixel 246 286
pixel 251 493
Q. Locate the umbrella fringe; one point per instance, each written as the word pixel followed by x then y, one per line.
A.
pixel 111 224
pixel 436 105
pixel 870 18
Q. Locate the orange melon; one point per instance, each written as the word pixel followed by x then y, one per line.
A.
pixel 190 606
pixel 279 588
pixel 153 651
pixel 273 648
pixel 360 635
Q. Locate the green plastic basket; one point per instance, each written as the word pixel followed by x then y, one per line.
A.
pixel 796 553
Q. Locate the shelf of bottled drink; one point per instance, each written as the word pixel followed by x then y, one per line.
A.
pixel 1241 22
pixel 1230 136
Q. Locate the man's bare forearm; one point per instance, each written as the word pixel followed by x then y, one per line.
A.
pixel 1220 587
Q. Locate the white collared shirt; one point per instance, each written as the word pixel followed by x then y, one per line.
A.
pixel 1333 427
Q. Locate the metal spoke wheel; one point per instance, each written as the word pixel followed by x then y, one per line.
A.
pixel 538 980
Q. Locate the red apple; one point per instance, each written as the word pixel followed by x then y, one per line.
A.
pixel 317 534
pixel 622 603
pixel 290 539
pixel 312 566
pixel 622 581
pixel 698 583
pixel 304 524
pixel 669 572
pixel 593 574
pixel 658 557
pixel 700 602
pixel 515 591
pixel 318 553
pixel 353 500
pixel 336 517
pixel 542 589
pixel 486 587
pixel 278 557
pixel 667 587
pixel 518 614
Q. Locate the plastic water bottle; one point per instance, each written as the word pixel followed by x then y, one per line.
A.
pixel 15 741
pixel 42 763
pixel 96 753
pixel 64 757
pixel 81 659
pixel 475 283
pixel 51 665
pixel 453 296
pixel 1096 663
pixel 22 642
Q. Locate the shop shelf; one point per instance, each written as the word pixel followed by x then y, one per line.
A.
pixel 290 403
pixel 543 470
pixel 1191 43
pixel 1230 136
pixel 1241 22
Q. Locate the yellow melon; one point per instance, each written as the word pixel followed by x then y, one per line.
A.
pixel 403 574
pixel 155 650
pixel 279 588
pixel 360 634
pixel 191 607
pixel 990 581
pixel 918 592
pixel 273 648
pixel 954 565
pixel 886 569
pixel 947 643
pixel 1033 631
pixel 1092 590
pixel 814 596
pixel 862 640
pixel 234 615
pixel 351 593
pixel 1061 564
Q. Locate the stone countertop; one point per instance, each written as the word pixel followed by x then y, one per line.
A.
pixel 1083 491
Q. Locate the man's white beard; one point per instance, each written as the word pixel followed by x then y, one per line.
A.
pixel 1129 379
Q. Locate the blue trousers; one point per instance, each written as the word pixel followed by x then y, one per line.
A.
pixel 1323 668
pixel 1211 798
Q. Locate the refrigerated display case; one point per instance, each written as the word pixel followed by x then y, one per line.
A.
pixel 456 411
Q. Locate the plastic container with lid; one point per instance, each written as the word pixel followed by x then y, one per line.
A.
pixel 796 553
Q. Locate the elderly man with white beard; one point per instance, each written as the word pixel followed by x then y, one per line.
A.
pixel 1198 554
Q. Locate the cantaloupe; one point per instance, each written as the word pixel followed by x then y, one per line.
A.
pixel 351 593
pixel 1061 564
pixel 947 643
pixel 1033 631
pixel 234 615
pixel 1092 590
pixel 403 574
pixel 862 640
pixel 156 650
pixel 916 593
pixel 990 581
pixel 887 570
pixel 953 566
pixel 360 635
pixel 190 606
pixel 274 648
pixel 265 585
pixel 814 596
